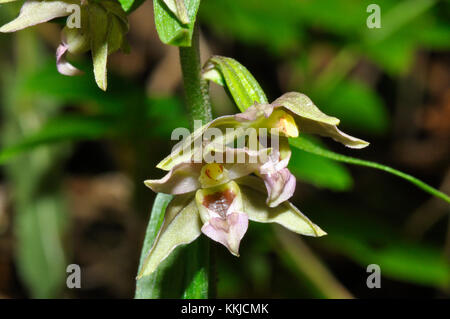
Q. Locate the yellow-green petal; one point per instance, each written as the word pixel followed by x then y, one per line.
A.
pixel 184 151
pixel 284 214
pixel 36 12
pixel 311 120
pixel 99 26
pixel 182 225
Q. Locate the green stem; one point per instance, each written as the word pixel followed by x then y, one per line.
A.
pixel 309 147
pixel 200 260
pixel 196 88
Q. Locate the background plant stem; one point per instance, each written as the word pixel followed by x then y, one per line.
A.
pixel 308 264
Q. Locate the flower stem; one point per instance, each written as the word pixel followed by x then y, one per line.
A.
pixel 196 88
pixel 199 261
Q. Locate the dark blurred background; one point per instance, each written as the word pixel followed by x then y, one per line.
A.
pixel 74 158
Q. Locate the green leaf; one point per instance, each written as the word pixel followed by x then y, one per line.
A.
pixel 130 5
pixel 239 82
pixel 370 241
pixel 65 128
pixel 248 22
pixel 307 146
pixel 40 255
pixel 170 29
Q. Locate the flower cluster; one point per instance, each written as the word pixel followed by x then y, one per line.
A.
pixel 219 197
pixel 96 26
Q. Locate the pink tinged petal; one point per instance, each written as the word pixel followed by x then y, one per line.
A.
pixel 183 178
pixel 279 181
pixel 190 146
pixel 254 112
pixel 62 65
pixel 280 186
pixel 228 231
pixel 250 114
pixel 276 161
pixel 221 211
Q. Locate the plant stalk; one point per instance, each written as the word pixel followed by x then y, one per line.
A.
pixel 196 88
pixel 200 261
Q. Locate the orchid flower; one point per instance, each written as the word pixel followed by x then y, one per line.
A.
pixel 294 112
pixel 267 162
pixel 218 199
pixel 221 213
pixel 102 28
pixel 289 115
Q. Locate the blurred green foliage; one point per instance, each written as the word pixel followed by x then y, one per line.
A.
pixel 41 218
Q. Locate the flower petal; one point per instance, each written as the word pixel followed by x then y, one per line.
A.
pixel 228 231
pixel 185 149
pixel 182 225
pixel 99 26
pixel 254 112
pixel 188 177
pixel 62 65
pixel 280 186
pixel 221 211
pixel 284 214
pixel 34 12
pixel 279 181
pixel 183 178
pixel 218 201
pixel 311 120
